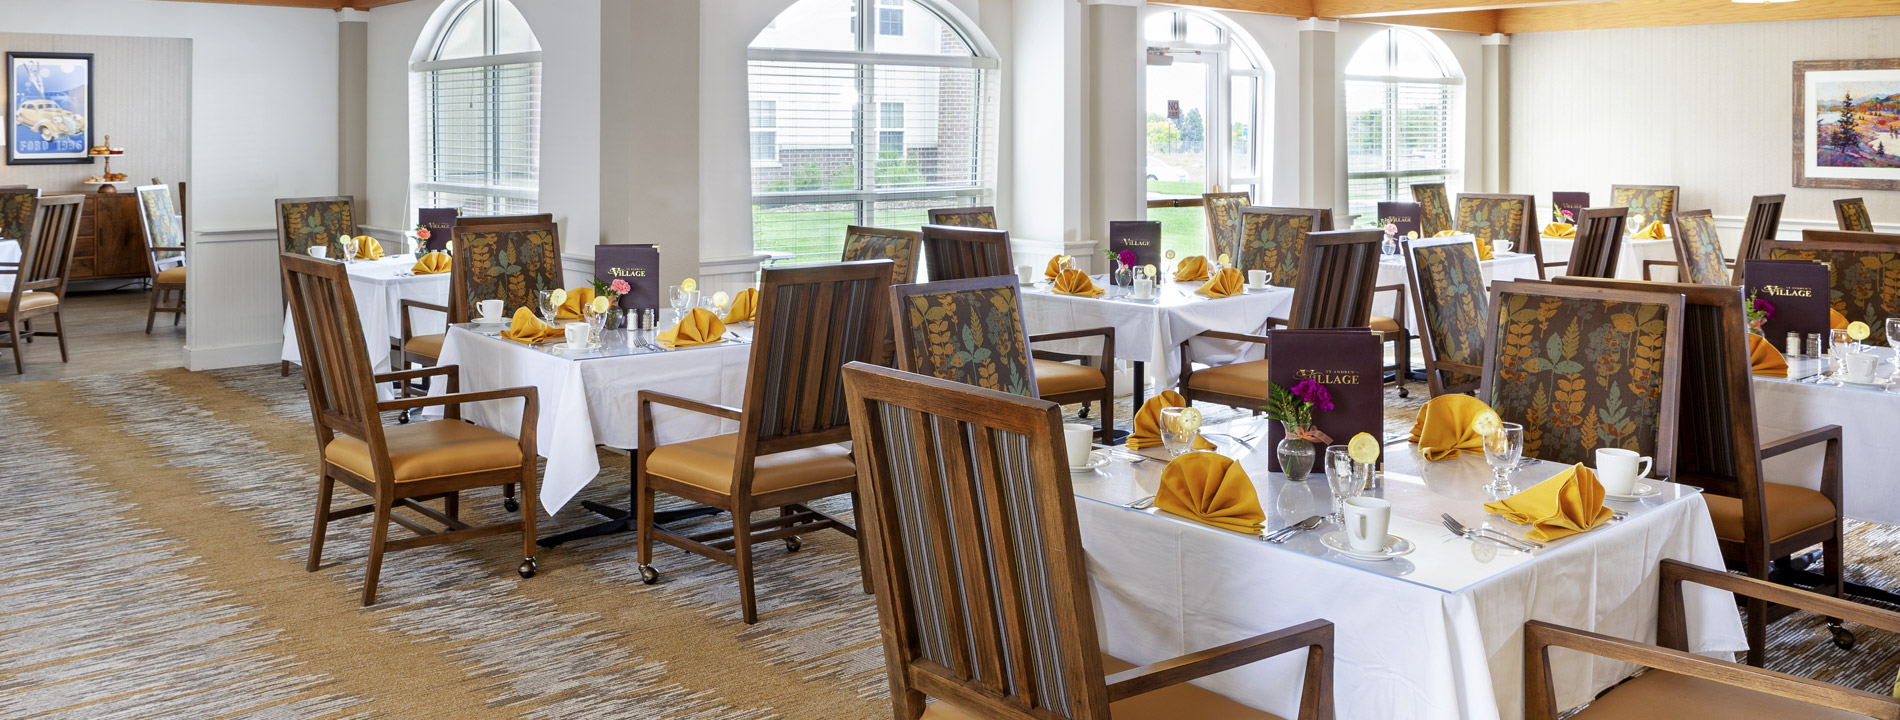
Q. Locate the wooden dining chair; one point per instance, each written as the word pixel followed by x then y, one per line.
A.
pixel 972 331
pixel 1584 368
pixel 1680 684
pixel 39 280
pixel 1599 243
pixel 1851 213
pixel 1448 292
pixel 983 596
pixel 1490 217
pixel 164 238
pixel 1762 225
pixel 1434 208
pixel 16 213
pixel 1758 522
pixel 1325 215
pixel 897 246
pixel 983 217
pixel 788 451
pixel 306 222
pixel 490 220
pixel 404 466
pixel 957 252
pixel 1698 250
pixel 1223 219
pixel 1863 273
pixel 1274 241
pixel 1654 202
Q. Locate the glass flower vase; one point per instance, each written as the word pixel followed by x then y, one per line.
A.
pixel 1296 453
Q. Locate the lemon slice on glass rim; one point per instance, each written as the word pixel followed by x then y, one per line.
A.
pixel 1364 449
pixel 1487 423
pixel 1188 421
pixel 1859 331
pixel 720 299
pixel 558 297
pixel 689 284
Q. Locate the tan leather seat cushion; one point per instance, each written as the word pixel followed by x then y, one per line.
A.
pixel 430 345
pixel 1246 379
pixel 1790 510
pixel 1175 702
pixel 28 300
pixel 173 276
pixel 438 448
pixel 1668 696
pixel 1056 378
pixel 708 463
pixel 1383 324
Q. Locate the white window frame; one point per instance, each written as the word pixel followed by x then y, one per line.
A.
pixel 885 129
pixel 422 72
pixel 896 10
pixel 1215 134
pixel 1397 180
pixel 753 107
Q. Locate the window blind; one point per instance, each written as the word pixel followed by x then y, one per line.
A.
pixel 1397 133
pixel 480 138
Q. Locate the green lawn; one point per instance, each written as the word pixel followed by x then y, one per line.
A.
pixel 817 236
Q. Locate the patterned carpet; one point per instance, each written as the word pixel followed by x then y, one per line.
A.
pixel 157 525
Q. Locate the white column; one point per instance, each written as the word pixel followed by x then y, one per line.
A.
pixel 1496 169
pixel 1322 149
pixel 1046 92
pixel 650 130
pixel 1112 164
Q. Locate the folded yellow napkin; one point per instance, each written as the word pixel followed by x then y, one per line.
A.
pixel 1446 233
pixel 1192 267
pixel 1484 249
pixel 1835 320
pixel 1652 231
pixel 434 263
pixel 1569 503
pixel 1227 283
pixel 1213 489
pixel 1147 432
pixel 1443 428
pixel 577 298
pixel 744 306
pixel 700 327
pixel 1076 282
pixel 528 329
pixel 368 249
pixel 1560 230
pixel 1054 268
pixel 1764 358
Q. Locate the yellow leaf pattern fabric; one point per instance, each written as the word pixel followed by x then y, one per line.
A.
pixel 1223 220
pixel 1863 285
pixel 1492 219
pixel 1273 242
pixel 1652 203
pixel 901 250
pixel 1854 217
pixel 308 224
pixel 1451 290
pixel 1701 249
pixel 16 214
pixel 973 337
pixel 1434 208
pixel 510 266
pixel 1580 375
pixel 161 220
pixel 985 219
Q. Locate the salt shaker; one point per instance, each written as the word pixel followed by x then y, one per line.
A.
pixel 1793 344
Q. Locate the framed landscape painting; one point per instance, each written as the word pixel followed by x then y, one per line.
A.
pixel 49 108
pixel 1847 124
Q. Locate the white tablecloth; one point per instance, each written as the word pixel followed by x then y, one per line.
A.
pixel 1509 266
pixel 1151 331
pixel 9 253
pixel 1435 634
pixel 1868 419
pixel 380 286
pixel 1629 261
pixel 588 399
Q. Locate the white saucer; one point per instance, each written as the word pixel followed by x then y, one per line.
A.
pixel 1869 385
pixel 564 347
pixel 1394 546
pixel 1642 490
pixel 1096 459
pixel 489 321
pixel 1257 288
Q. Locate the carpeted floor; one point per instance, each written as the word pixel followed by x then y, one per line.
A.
pixel 156 528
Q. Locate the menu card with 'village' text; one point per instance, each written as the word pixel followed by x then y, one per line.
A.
pixel 440 222
pixel 1575 202
pixel 1347 362
pixel 639 265
pixel 1141 236
pixel 1798 289
pixel 1403 214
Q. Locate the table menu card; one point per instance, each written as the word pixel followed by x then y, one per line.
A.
pixel 1344 360
pixel 1799 291
pixel 1141 236
pixel 639 265
pixel 441 225
pixel 1403 214
pixel 1575 202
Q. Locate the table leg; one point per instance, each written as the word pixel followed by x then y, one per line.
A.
pixel 622 520
pixel 1140 383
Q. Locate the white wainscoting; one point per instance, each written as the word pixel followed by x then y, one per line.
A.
pixel 729 274
pixel 236 299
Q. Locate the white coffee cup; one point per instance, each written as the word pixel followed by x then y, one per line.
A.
pixel 1619 469
pixel 490 310
pixel 1256 278
pixel 317 251
pixel 1367 519
pixel 577 333
pixel 1860 367
pixel 1079 438
pixel 1026 274
pixel 1501 247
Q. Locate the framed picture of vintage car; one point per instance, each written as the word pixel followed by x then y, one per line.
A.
pixel 1847 124
pixel 49 108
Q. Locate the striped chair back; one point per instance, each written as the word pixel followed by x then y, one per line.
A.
pixel 1599 242
pixel 812 321
pixel 1337 273
pixel 336 363
pixel 969 517
pixel 1764 222
pixel 48 247
pixel 957 253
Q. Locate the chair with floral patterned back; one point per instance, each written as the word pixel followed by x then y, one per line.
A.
pixel 303 223
pixel 163 239
pixel 1586 368
pixel 1491 217
pixel 16 213
pixel 971 331
pixel 1653 202
pixel 1448 292
pixel 897 246
pixel 1274 240
pixel 1851 213
pixel 1434 208
pixel 1863 273
pixel 971 217
pixel 1223 220
pixel 1698 249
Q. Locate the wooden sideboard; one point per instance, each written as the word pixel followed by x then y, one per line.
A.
pixel 111 239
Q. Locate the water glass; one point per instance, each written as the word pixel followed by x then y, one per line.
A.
pixel 1893 341
pixel 681 300
pixel 1177 433
pixel 550 310
pixel 1503 449
pixel 596 321
pixel 1347 478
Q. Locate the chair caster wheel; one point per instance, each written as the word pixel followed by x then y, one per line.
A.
pixel 403 418
pixel 1404 393
pixel 1843 637
pixel 527 568
pixel 648 575
pixel 792 544
pixel 511 504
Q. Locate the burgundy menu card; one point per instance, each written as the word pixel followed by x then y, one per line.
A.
pixel 1799 291
pixel 639 265
pixel 1575 202
pixel 440 223
pixel 1141 236
pixel 1345 361
pixel 1403 214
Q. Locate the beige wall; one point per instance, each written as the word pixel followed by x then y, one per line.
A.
pixel 141 96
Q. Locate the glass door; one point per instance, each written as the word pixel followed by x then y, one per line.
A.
pixel 1181 156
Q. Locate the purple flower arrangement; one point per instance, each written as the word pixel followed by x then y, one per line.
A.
pixel 1294 408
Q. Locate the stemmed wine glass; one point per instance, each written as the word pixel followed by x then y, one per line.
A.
pixel 1346 477
pixel 681 300
pixel 349 248
pixel 1893 341
pixel 550 310
pixel 1503 449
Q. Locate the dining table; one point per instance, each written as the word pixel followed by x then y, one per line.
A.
pixel 1435 633
pixel 1812 396
pixel 1629 260
pixel 379 287
pixel 9 253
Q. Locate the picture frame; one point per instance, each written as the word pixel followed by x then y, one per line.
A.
pixel 1862 153
pixel 49 108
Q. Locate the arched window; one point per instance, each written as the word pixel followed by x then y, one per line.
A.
pixel 477 110
pixel 1401 111
pixel 865 112
pixel 1204 92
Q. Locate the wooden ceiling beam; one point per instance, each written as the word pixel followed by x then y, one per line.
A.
pixel 309 4
pixel 1668 13
pixel 1289 8
pixel 1355 9
pixel 1482 22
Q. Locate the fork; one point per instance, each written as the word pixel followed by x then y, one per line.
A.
pixel 1459 529
pixel 1284 534
pixel 1141 504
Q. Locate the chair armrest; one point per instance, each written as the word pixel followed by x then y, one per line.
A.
pixel 158 250
pixel 406 305
pixel 453 371
pixel 1107 333
pixel 1313 635
pixel 526 393
pixel 1671 631
pixel 649 398
pixel 1647 264
pixel 1224 335
pixel 1791 443
pixel 1398 304
pixel 1466 368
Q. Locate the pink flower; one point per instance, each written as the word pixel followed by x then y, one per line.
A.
pixel 1767 309
pixel 422 233
pixel 1127 258
pixel 1391 228
pixel 1314 393
pixel 621 286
